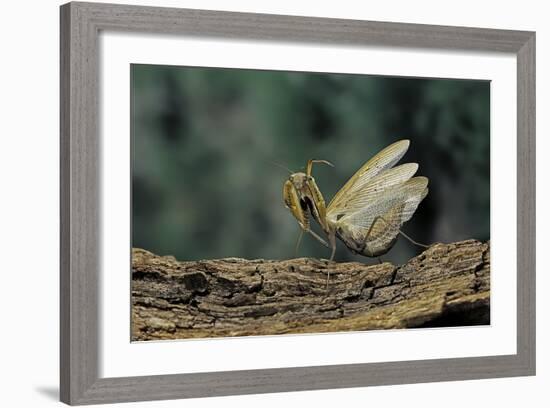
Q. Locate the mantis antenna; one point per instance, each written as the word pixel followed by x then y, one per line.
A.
pixel 281 166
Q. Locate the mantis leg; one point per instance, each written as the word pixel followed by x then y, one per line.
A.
pixel 317 237
pixel 332 240
pixel 398 230
pixel 298 243
pixel 413 241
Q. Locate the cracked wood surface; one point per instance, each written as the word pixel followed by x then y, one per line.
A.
pixel 446 285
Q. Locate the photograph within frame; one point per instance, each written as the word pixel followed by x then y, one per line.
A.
pixel 211 150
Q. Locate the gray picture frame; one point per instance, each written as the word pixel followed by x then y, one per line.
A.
pixel 81 24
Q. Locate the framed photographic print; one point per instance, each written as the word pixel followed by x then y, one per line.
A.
pixel 323 189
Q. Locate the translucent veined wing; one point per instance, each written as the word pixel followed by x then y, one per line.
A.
pixel 385 159
pixel 410 193
pixel 383 232
pixel 378 186
pixel 373 229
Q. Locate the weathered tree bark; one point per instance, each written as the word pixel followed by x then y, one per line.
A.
pixel 447 285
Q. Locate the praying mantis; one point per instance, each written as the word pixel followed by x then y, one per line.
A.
pixel 367 213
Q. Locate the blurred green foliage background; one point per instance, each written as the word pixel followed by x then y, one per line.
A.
pixel 204 141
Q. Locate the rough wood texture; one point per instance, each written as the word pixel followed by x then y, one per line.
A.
pixel 447 285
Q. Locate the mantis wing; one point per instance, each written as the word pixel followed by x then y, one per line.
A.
pixel 373 228
pixel 385 159
pixel 373 191
pixel 408 194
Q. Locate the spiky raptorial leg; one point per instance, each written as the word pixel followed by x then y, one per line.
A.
pixel 398 230
pixel 310 165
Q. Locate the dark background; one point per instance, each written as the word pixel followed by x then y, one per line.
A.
pixel 204 141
